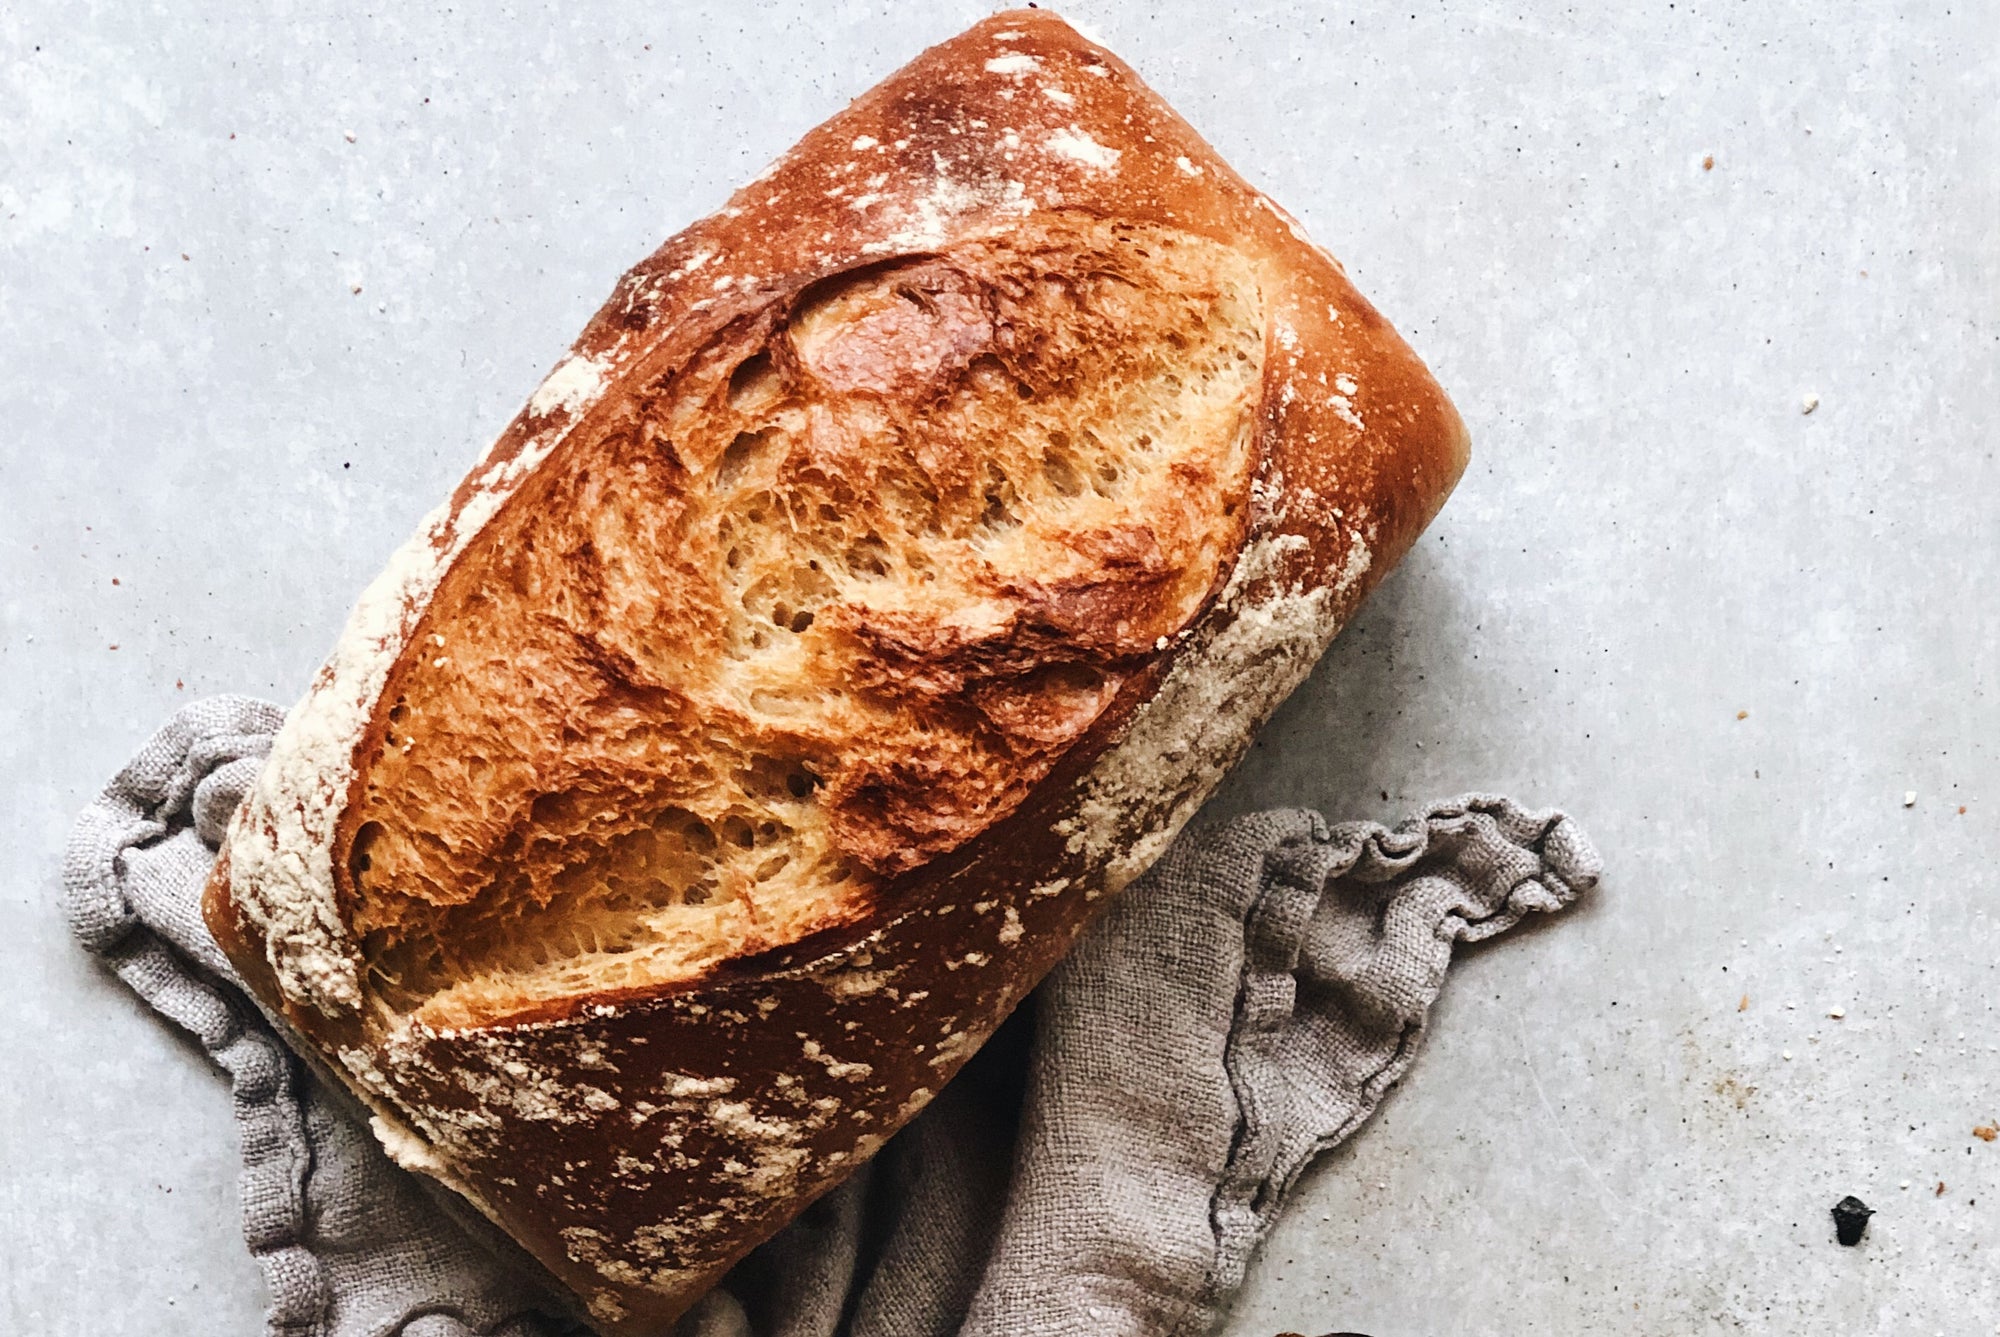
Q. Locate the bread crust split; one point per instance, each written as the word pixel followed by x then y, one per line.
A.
pixel 897 561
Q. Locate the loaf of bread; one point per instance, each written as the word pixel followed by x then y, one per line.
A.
pixel 896 562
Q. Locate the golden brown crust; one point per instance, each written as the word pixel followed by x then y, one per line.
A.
pixel 788 620
pixel 639 1140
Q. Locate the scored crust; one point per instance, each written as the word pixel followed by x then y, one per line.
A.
pixel 805 610
pixel 896 562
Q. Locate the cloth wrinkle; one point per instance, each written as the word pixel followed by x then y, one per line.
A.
pixel 1107 1164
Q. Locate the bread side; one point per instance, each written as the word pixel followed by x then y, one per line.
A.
pixel 900 557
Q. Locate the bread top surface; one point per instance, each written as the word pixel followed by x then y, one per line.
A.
pixel 803 612
pixel 832 536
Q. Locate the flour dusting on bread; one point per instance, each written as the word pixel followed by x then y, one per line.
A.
pixel 1196 726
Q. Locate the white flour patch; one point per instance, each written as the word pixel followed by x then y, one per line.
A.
pixel 1075 145
pixel 1195 727
pixel 575 384
pixel 405 1148
pixel 928 224
pixel 836 1068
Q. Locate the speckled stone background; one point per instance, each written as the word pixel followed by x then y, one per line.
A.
pixel 272 274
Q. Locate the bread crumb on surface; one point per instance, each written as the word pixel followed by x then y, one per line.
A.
pixel 1985 1132
pixel 1909 798
pixel 1808 402
pixel 1708 163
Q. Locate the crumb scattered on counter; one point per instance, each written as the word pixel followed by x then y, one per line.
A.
pixel 1708 163
pixel 1850 1219
pixel 1909 798
pixel 1808 402
pixel 1743 1005
pixel 1742 714
pixel 1986 1132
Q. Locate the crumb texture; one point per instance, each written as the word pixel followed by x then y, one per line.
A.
pixel 801 613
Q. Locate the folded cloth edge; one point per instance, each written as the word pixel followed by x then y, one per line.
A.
pixel 1567 866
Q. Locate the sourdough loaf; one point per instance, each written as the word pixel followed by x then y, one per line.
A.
pixel 895 563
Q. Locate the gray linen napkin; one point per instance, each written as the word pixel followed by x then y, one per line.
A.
pixel 1106 1165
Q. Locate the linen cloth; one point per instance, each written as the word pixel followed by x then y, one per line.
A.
pixel 1106 1165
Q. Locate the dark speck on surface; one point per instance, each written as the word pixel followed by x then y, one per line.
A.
pixel 1850 1219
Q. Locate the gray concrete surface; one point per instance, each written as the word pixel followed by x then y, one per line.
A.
pixel 1633 1121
